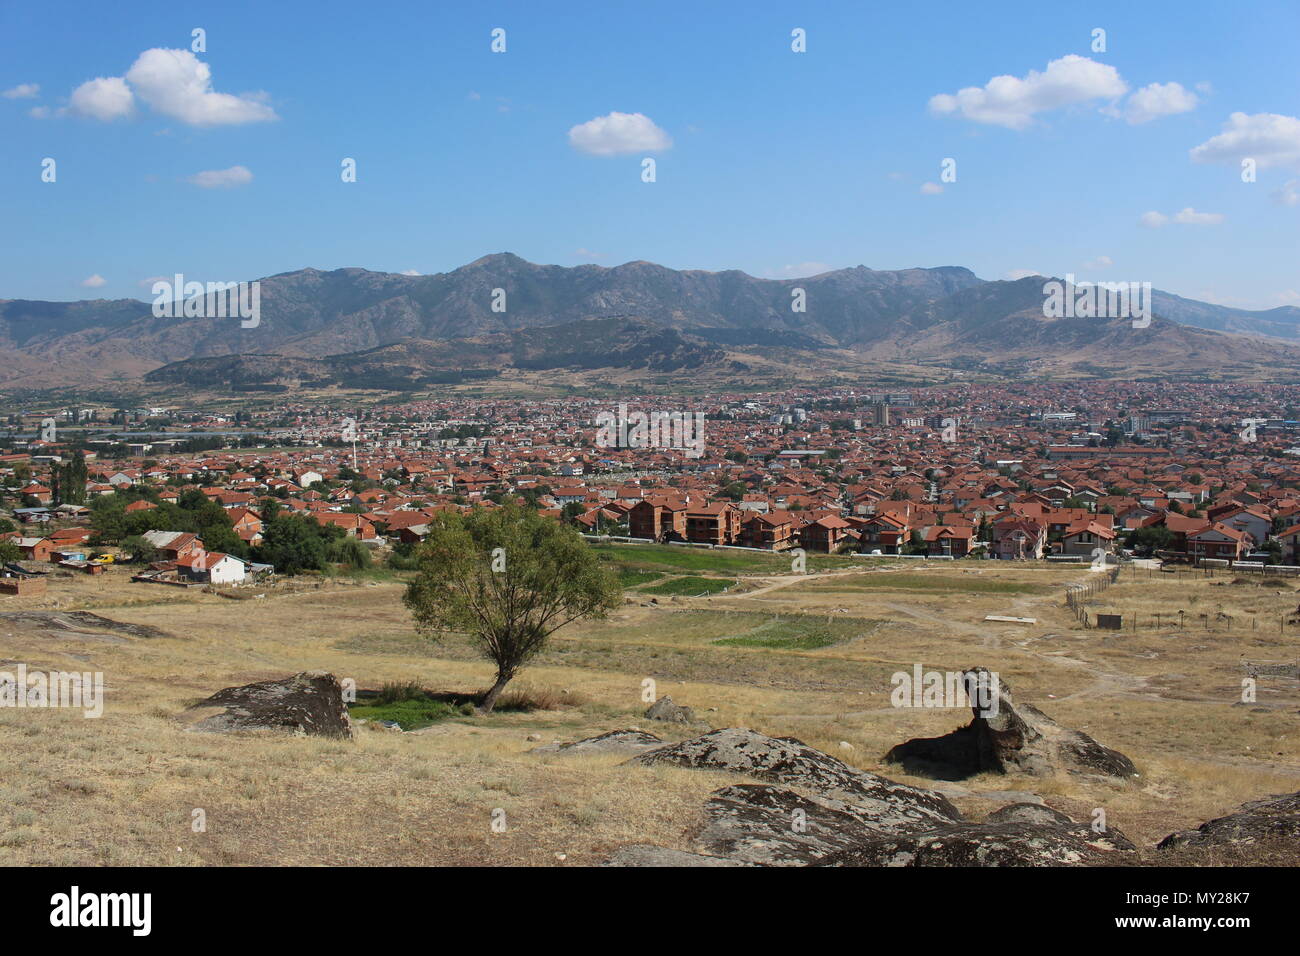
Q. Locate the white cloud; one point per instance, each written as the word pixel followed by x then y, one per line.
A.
pixel 222 178
pixel 23 91
pixel 411 272
pixel 1270 139
pixel 1288 194
pixel 931 189
pixel 94 282
pixel 1158 99
pixel 147 283
pixel 106 98
pixel 176 83
pixel 1190 217
pixel 1186 217
pixel 1016 274
pixel 1101 262
pixel 588 254
pixel 39 112
pixel 619 133
pixel 1012 102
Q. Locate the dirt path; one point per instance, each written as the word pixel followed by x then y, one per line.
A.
pixel 776 582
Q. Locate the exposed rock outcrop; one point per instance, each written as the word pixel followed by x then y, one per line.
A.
pixel 813 809
pixel 777 826
pixel 1273 818
pixel 784 760
pixel 1034 813
pixel 988 844
pixel 309 703
pixel 615 742
pixel 1008 737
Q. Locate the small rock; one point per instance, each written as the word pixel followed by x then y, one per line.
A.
pixel 616 741
pixel 664 709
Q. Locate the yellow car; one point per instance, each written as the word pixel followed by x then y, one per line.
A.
pixel 105 558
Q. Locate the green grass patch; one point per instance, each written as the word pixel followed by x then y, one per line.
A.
pixel 633 577
pixel 786 633
pixel 410 705
pixel 689 585
pixel 409 714
pixel 666 558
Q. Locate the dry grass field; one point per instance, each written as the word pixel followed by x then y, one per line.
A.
pixel 808 656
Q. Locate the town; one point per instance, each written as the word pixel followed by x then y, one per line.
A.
pixel 1008 472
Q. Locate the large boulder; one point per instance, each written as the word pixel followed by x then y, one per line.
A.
pixel 776 826
pixel 1008 736
pixel 892 806
pixel 813 809
pixel 309 703
pixel 1259 820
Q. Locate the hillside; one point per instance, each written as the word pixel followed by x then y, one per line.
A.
pixel 637 316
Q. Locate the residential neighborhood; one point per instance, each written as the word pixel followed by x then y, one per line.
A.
pixel 1029 472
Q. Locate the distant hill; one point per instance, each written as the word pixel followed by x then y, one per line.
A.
pixel 596 343
pixel 634 316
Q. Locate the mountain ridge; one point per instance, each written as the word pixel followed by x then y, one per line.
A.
pixel 919 314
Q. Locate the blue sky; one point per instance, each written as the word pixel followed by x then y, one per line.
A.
pixel 774 162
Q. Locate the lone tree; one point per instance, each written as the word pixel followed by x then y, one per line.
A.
pixel 509 578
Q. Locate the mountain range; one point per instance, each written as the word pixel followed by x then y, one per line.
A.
pixel 375 329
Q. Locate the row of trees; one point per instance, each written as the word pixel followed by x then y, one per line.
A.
pixel 68 481
pixel 193 512
pixel 292 543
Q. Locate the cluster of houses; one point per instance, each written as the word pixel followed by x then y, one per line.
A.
pixel 180 557
pixel 1004 481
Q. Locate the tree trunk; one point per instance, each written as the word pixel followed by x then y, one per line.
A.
pixel 490 698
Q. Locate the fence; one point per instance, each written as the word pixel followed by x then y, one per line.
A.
pixel 1209 621
pixel 1078 596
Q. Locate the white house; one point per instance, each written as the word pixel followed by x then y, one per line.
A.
pixel 224 568
pixel 1255 523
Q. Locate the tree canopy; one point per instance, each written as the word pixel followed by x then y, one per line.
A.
pixel 509 578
